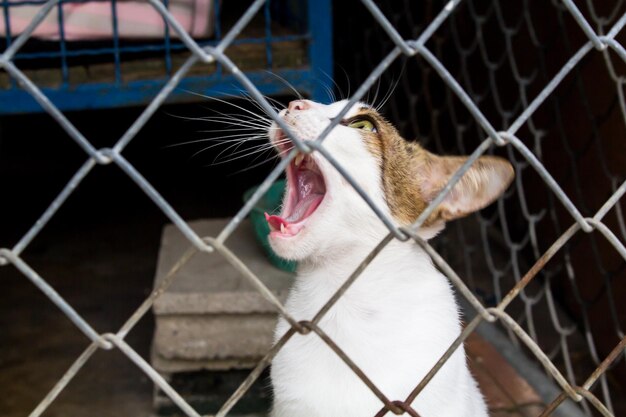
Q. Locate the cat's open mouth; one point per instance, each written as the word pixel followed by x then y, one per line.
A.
pixel 305 191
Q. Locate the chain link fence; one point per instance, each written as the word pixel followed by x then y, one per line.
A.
pixel 601 40
pixel 502 54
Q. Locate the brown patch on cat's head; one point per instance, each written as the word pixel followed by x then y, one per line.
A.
pixel 412 177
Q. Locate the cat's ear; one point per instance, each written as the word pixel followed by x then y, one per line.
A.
pixel 486 179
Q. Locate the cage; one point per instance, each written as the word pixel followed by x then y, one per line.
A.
pixel 95 55
pixel 536 82
pixel 503 55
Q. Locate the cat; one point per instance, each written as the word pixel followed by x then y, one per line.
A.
pixel 400 315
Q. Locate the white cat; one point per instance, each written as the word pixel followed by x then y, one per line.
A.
pixel 400 315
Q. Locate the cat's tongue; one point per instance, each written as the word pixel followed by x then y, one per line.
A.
pixel 293 224
pixel 306 191
pixel 277 223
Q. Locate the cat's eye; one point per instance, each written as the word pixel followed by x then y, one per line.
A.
pixel 363 124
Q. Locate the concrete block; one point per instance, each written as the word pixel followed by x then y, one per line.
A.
pixel 211 317
pixel 215 336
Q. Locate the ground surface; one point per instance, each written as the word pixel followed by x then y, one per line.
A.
pixel 39 343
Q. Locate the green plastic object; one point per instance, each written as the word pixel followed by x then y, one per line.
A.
pixel 270 203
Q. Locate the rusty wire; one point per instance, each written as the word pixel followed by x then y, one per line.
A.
pixel 599 41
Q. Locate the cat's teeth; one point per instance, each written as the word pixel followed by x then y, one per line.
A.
pixel 298 160
pixel 282 228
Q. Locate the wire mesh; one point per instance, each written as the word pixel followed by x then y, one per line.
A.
pixel 519 121
pixel 503 54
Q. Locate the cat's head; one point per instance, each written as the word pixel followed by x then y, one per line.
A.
pixel 321 211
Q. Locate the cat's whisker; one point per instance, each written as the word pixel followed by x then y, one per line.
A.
pixel 269 159
pixel 202 151
pixel 192 119
pixel 243 130
pixel 239 155
pixel 260 153
pixel 345 74
pixel 375 93
pixel 235 147
pixel 225 117
pixel 278 105
pixel 256 104
pixel 327 88
pixel 329 93
pixel 275 104
pixel 334 85
pixel 248 118
pixel 232 120
pixel 280 142
pixel 288 84
pixel 239 124
pixel 243 139
pixel 253 149
pixel 240 117
pixel 390 92
pixel 238 140
pixel 228 141
pixel 285 152
pixel 223 139
pixel 230 103
pixel 235 129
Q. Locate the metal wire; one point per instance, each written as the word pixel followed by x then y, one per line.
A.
pixel 600 40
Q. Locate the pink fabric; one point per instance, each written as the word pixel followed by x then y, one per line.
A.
pixel 93 21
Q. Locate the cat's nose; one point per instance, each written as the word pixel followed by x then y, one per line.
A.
pixel 299 105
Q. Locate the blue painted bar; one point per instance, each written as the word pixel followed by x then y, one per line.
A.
pixel 152 47
pixel 218 33
pixel 7 26
pixel 321 47
pixel 99 96
pixel 116 44
pixel 62 47
pixel 167 44
pixel 268 35
pixel 7 22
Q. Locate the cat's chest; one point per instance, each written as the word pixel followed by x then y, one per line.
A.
pixel 384 330
pixel 307 364
pixel 381 312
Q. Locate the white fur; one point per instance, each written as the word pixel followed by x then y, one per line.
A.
pixel 395 321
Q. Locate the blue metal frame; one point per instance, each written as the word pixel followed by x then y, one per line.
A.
pixel 309 80
pixel 320 19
